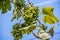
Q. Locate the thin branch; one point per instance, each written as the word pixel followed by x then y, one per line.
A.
pixel 36 35
pixel 41 34
pixel 38 21
pixel 27 27
pixel 21 12
pixel 31 4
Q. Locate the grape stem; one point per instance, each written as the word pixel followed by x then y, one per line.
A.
pixel 27 27
pixel 30 3
pixel 36 35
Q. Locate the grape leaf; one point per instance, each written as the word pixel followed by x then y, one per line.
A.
pixel 48 11
pixel 5 6
pixel 50 19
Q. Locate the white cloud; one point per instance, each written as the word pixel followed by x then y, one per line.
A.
pixel 46 2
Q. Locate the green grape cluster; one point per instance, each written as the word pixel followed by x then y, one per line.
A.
pixel 16 32
pixel 30 14
pixel 20 29
pixel 30 17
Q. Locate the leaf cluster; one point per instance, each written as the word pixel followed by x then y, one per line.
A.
pixel 19 30
pixel 49 16
pixel 5 6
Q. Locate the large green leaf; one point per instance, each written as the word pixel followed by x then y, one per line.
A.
pixel 4 10
pixel 49 16
pixel 48 11
pixel 50 19
pixel 5 6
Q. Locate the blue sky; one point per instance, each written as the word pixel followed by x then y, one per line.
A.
pixel 6 24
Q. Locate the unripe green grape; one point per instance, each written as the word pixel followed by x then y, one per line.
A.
pixel 31 15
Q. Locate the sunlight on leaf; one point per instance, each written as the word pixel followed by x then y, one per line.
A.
pixel 50 19
pixel 48 11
